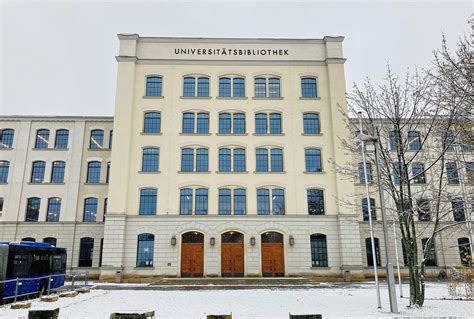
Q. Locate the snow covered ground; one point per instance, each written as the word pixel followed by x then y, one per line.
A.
pixel 358 301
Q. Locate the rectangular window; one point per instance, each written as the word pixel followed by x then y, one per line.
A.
pixel 145 250
pixel 42 138
pixel 277 159
pixel 96 140
pixel 263 201
pixel 111 138
pixel 150 160
pixel 1 204
pixel 6 138
pixel 224 160
pixel 311 123
pixel 273 87
pixel 365 209
pixel 152 123
pixel 202 123
pixel 319 251
pixel 239 160
pixel 470 172
pixel 224 87
pixel 261 123
pixel 62 138
pixel 93 172
pixel 90 209
pixel 414 141
pixel 397 168
pixel 201 201
pixel 239 87
pixel 203 87
pixel 418 171
pixel 54 209
pixel 393 139
pixel 423 209
pixel 313 160
pixel 57 172
pixel 224 123
pixel 452 173
pixel 240 201
pixel 275 123
pixel 430 255
pixel 32 209
pixel 260 87
pixel 4 168
pixel 239 123
pixel 188 123
pixel 459 214
pixel 186 201
pixel 148 198
pixel 224 201
pixel 37 172
pixel 315 202
pixel 262 160
pixel 278 202
pixel 189 87
pixel 308 88
pixel 153 86
pixel 187 160
pixel 202 162
pixel 368 167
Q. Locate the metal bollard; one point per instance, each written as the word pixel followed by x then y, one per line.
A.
pixel 72 282
pixel 16 288
pixel 87 279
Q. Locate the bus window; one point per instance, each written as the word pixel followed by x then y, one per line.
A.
pixel 57 263
pixel 20 264
pixel 40 264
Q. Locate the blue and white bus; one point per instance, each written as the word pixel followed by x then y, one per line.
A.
pixel 26 267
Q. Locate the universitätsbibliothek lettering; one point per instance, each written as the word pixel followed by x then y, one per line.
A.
pixel 225 51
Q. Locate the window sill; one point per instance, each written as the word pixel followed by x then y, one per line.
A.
pixel 314 173
pixel 147 215
pixel 267 98
pixel 219 172
pixel 231 98
pixel 231 134
pixel 46 183
pixel 196 97
pixel 6 148
pixel 181 172
pixel 310 134
pixel 151 173
pixel 153 134
pixel 4 183
pixel 269 134
pixel 49 149
pixel 310 98
pixel 98 184
pixel 322 268
pixel 144 268
pixel 99 149
pixel 153 97
pixel 255 172
pixel 195 134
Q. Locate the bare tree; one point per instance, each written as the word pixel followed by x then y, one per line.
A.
pixel 424 128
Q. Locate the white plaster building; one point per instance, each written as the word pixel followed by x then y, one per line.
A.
pixel 223 165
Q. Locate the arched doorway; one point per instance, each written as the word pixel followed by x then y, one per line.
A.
pixel 232 254
pixel 192 254
pixel 273 256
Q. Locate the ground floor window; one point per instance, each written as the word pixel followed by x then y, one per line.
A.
pixel 50 240
pixel 368 248
pixel 86 250
pixel 431 254
pixel 464 250
pixel 319 252
pixel 145 247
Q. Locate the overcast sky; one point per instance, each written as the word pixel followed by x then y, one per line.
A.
pixel 58 58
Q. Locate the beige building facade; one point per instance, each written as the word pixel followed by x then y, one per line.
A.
pixel 224 164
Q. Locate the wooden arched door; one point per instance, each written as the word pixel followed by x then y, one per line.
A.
pixel 192 254
pixel 232 254
pixel 273 255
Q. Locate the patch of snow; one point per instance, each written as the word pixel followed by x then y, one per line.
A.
pixel 355 301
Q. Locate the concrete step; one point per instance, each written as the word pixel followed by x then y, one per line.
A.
pixel 275 282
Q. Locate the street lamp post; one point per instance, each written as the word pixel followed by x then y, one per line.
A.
pixel 389 266
pixel 369 208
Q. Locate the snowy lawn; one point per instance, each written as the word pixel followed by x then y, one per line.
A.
pixel 358 301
